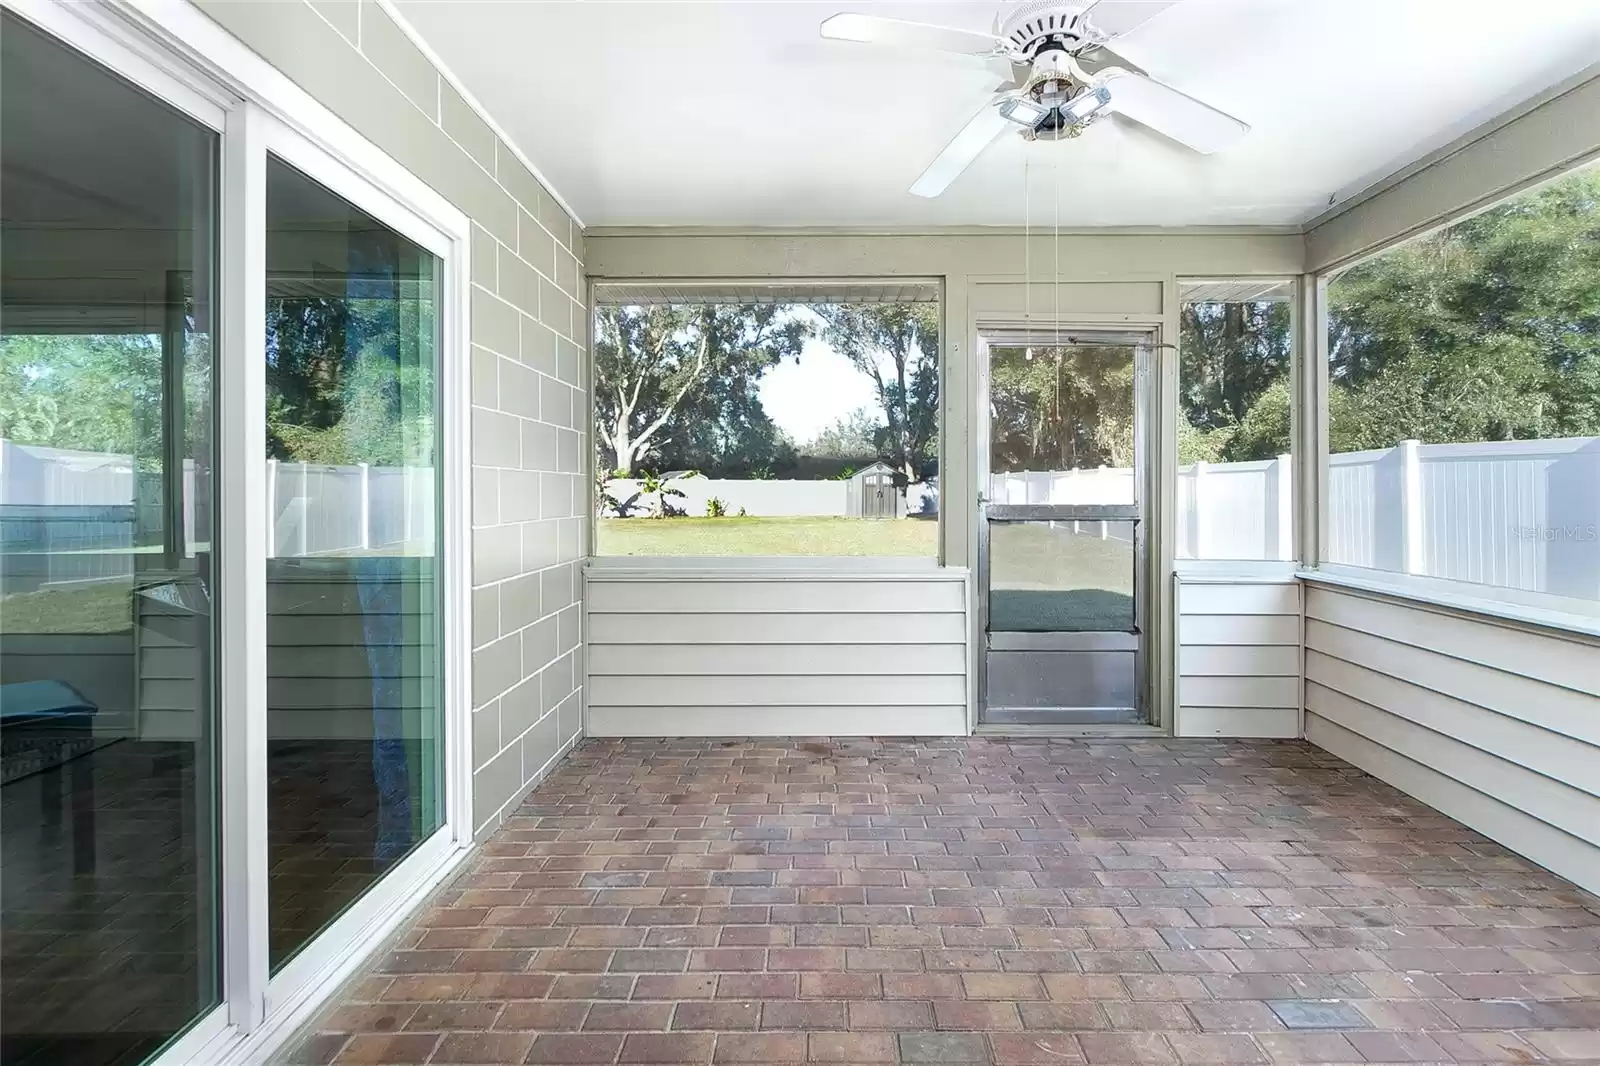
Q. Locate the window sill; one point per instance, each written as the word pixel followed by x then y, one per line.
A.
pixel 1456 596
pixel 766 568
pixel 1235 571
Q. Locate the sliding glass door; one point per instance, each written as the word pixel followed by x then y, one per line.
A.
pixel 353 598
pixel 232 548
pixel 109 789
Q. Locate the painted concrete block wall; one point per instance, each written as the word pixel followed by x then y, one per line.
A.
pixel 528 405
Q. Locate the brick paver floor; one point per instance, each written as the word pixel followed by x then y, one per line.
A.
pixel 980 901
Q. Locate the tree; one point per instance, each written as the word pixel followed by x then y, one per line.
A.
pixel 1486 330
pixel 853 436
pixel 1060 408
pixel 897 346
pixel 93 393
pixel 1233 356
pixel 350 378
pixel 686 377
pixel 101 392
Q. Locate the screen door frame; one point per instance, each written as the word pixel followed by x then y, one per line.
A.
pixel 1145 343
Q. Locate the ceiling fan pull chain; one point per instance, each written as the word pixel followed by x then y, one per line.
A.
pixel 1027 256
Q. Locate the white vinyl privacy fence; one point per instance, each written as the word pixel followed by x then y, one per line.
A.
pixel 326 509
pixel 1514 514
pixel 81 516
pixel 1236 510
pixel 1225 510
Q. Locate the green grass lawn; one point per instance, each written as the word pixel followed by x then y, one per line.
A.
pixel 103 607
pixel 768 536
pixel 1045 579
pixel 1042 578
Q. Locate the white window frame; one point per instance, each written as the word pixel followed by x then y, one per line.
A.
pixel 1280 569
pixel 183 58
pixel 756 567
pixel 1493 601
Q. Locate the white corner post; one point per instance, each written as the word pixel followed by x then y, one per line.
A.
pixel 1281 511
pixel 304 511
pixel 1308 419
pixel 1411 557
pixel 1199 543
pixel 364 472
pixel 1397 510
pixel 272 508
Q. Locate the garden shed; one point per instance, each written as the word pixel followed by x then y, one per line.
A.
pixel 874 494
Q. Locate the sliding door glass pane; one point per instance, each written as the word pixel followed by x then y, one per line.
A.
pixel 108 796
pixel 353 701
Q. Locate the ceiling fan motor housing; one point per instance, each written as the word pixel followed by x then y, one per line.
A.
pixel 1038 27
pixel 1048 36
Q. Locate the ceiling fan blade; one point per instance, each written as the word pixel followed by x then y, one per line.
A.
pixel 1101 57
pixel 984 129
pixel 870 29
pixel 1170 112
pixel 1114 20
pixel 1015 74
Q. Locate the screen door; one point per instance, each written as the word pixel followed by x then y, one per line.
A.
pixel 1062 554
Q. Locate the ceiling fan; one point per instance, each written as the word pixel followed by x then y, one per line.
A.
pixel 1063 78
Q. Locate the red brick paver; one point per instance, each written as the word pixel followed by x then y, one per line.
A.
pixel 990 901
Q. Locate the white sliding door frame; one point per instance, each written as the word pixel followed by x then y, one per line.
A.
pixel 171 50
pixel 242 572
pixel 324 962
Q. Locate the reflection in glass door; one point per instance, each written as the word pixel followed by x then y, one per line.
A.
pixel 353 575
pixel 1061 543
pixel 109 781
pixel 222 548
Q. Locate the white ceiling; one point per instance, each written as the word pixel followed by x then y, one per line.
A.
pixel 735 114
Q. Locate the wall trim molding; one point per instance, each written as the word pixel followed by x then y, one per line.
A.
pixel 669 230
pixel 449 75
pixel 1478 133
pixel 1456 599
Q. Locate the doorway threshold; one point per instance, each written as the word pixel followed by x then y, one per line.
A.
pixel 1067 729
pixel 1063 716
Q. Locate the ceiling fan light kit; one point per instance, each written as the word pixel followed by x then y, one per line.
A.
pixel 1065 79
pixel 1023 111
pixel 1057 113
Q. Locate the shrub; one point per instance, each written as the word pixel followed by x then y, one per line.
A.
pixel 664 488
pixel 715 508
pixel 619 508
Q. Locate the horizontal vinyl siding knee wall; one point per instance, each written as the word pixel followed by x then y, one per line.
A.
pixel 529 407
pixel 781 655
pixel 1238 658
pixel 1492 723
